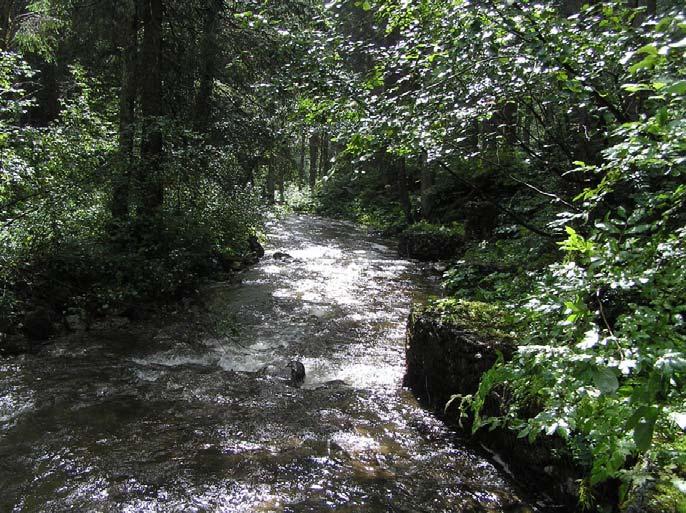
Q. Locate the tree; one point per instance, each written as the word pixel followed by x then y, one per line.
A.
pixel 127 109
pixel 152 110
pixel 314 154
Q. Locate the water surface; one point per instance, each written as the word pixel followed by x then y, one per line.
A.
pixel 192 413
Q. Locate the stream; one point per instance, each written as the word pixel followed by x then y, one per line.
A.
pixel 193 412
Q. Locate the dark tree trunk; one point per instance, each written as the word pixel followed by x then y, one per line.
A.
pixel 324 153
pixel 270 186
pixel 9 10
pixel 403 193
pixel 127 116
pixel 248 167
pixel 508 115
pixel 49 95
pixel 427 182
pixel 473 137
pixel 152 192
pixel 314 152
pixel 301 164
pixel 281 183
pixel 208 65
pixel 570 7
pixel 651 7
pixel 6 7
pixel 252 169
pixel 488 131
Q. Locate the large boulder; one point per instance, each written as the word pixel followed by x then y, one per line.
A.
pixel 448 349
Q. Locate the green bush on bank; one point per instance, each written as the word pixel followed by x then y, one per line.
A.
pixel 59 245
pixel 604 355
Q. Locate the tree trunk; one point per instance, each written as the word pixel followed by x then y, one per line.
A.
pixel 314 152
pixel 6 7
pixel 324 152
pixel 508 115
pixel 152 192
pixel 270 185
pixel 127 116
pixel 208 65
pixel 48 97
pixel 301 166
pixel 473 137
pixel 9 10
pixel 427 182
pixel 403 193
pixel 281 183
pixel 651 7
pixel 488 131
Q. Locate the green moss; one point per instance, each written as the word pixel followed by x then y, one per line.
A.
pixel 667 498
pixel 488 319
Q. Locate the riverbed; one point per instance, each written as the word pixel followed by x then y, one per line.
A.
pixel 193 412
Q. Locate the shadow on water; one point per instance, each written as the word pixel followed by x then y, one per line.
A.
pixel 195 414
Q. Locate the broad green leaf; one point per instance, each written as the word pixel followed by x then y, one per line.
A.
pixel 676 88
pixel 633 88
pixel 647 63
pixel 643 432
pixel 605 380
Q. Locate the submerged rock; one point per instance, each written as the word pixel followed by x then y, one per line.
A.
pixel 297 372
pixel 281 256
pixel 293 373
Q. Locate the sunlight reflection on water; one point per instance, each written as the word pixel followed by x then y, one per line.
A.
pixel 200 416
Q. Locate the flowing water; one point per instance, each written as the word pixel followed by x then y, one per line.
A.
pixel 194 413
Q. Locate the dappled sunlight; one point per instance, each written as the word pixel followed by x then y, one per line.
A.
pixel 205 416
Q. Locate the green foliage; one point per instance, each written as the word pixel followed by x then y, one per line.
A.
pixel 502 270
pixel 604 360
pixel 60 247
pixel 39 30
pixel 359 196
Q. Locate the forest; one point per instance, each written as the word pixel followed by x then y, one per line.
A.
pixel 537 148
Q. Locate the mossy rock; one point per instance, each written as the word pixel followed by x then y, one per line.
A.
pixel 450 344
